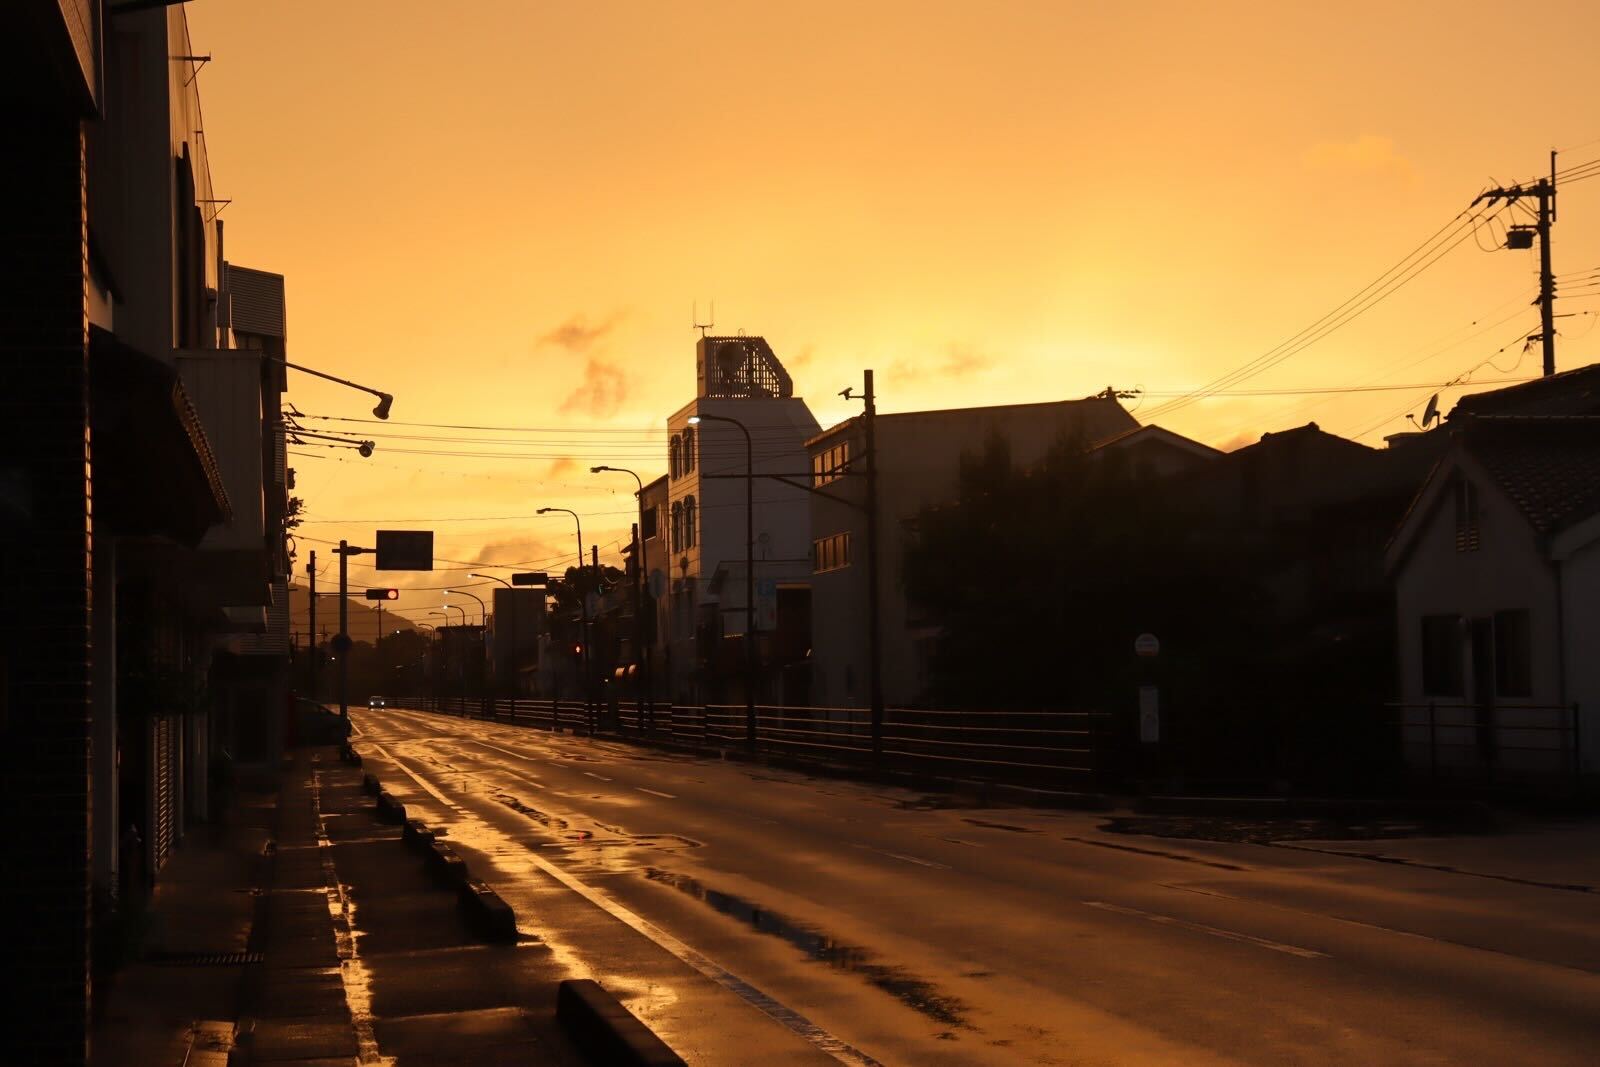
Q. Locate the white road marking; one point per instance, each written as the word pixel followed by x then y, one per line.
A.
pixel 507 751
pixel 602 777
pixel 1214 931
pixel 767 1005
pixel 904 858
pixel 655 792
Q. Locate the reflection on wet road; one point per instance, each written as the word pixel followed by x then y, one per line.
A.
pixel 818 920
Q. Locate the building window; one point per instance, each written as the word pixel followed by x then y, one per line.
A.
pixel 1441 655
pixel 1466 516
pixel 675 456
pixel 688 522
pixel 677 525
pixel 647 523
pixel 688 450
pixel 1513 654
pixel 830 463
pixel 830 553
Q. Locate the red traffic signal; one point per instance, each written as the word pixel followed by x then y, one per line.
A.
pixel 383 594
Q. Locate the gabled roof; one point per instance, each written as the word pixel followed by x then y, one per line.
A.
pixel 1547 467
pixel 1153 432
pixel 1573 392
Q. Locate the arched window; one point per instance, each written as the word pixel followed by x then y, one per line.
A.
pixel 688 450
pixel 688 522
pixel 675 454
pixel 677 525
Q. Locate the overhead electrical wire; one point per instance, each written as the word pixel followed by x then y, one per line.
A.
pixel 1418 260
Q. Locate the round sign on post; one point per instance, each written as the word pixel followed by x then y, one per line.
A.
pixel 1146 645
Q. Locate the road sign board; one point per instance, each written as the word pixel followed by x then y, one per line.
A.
pixel 405 550
pixel 530 578
pixel 1146 645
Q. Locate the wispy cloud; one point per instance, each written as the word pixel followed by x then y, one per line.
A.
pixel 1368 154
pixel 602 391
pixel 559 467
pixel 578 335
pixel 959 360
pixel 513 550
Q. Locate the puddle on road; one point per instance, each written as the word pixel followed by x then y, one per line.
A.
pixel 918 993
pixel 1001 826
pixel 550 822
pixel 557 825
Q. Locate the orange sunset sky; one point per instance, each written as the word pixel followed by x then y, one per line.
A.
pixel 502 212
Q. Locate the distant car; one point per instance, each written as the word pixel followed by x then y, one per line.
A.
pixel 376 702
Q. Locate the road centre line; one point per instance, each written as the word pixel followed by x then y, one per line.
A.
pixel 602 777
pixel 1214 931
pixel 836 1047
pixel 507 751
pixel 904 858
pixel 655 792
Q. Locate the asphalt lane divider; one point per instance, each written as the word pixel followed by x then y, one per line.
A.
pixel 607 1032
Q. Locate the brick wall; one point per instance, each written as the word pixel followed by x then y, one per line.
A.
pixel 44 572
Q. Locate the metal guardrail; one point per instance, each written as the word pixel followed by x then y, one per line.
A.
pixel 1046 749
pixel 1492 741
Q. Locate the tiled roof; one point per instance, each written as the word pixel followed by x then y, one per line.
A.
pixel 1573 392
pixel 1550 467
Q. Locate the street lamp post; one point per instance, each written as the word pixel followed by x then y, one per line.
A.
pixel 583 606
pixel 438 656
pixel 464 624
pixel 512 656
pixel 645 654
pixel 749 572
pixel 483 614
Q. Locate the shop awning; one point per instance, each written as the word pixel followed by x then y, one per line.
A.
pixel 154 471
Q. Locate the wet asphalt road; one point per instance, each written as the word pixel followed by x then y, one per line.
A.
pixel 762 916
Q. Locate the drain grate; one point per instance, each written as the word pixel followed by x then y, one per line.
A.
pixel 205 959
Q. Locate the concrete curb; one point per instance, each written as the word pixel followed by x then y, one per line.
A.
pixel 607 1032
pixel 369 784
pixel 489 913
pixel 1465 811
pixel 390 809
pixel 417 835
pixel 448 869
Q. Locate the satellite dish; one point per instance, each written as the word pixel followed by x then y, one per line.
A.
pixel 1431 414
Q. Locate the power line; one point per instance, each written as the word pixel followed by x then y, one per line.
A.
pixel 1430 251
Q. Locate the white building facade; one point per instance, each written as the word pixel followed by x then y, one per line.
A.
pixel 1496 572
pixel 703 529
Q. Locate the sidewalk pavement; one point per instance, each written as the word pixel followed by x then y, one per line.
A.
pixel 324 942
pixel 1547 852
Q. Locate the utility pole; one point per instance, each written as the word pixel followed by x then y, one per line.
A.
pixel 311 572
pixel 874 640
pixel 1522 236
pixel 341 640
pixel 594 688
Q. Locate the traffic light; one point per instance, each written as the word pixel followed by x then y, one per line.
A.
pixel 383 594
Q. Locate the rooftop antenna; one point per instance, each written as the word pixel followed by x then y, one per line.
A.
pixel 694 318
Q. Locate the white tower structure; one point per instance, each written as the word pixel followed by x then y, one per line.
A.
pixel 737 378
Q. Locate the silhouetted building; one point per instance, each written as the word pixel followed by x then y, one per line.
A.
pixel 142 507
pixel 919 463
